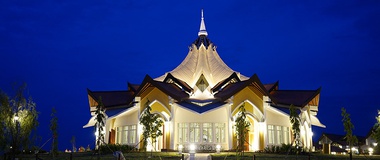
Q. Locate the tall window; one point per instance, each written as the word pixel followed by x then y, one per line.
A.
pixel 194 132
pixel 183 132
pixel 132 134
pixel 286 134
pixel 201 132
pixel 219 133
pixel 278 135
pixel 207 132
pixel 270 134
pixel 126 134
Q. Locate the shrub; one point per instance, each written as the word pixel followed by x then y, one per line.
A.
pixel 272 149
pixel 109 148
pixel 283 149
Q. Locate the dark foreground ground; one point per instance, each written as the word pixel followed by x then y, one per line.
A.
pixel 176 156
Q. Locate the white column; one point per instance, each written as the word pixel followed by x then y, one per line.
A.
pixel 172 122
pixel 230 124
pixel 266 105
pixel 138 103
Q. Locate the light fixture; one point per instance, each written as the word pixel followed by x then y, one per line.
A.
pixel 370 151
pixel 180 148
pixel 218 147
pixel 16 117
pixel 192 148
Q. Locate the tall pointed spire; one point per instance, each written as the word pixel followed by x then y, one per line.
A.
pixel 202 28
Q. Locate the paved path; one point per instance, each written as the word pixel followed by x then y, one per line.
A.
pixel 199 156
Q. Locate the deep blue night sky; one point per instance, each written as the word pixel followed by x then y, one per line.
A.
pixel 60 48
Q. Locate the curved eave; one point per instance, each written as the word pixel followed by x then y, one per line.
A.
pixel 299 98
pixel 170 89
pixel 91 122
pixel 234 88
pixel 315 122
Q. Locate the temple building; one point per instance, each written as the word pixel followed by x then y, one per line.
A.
pixel 198 102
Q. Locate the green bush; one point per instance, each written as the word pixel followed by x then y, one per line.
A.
pixel 110 148
pixel 283 149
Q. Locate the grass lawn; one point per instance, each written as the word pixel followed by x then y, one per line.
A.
pixel 273 156
pixel 215 156
pixel 91 156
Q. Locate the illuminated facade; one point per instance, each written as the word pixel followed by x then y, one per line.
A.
pixel 198 102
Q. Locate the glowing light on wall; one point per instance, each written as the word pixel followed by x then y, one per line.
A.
pixel 149 147
pixel 180 148
pixel 218 147
pixel 167 126
pixel 97 133
pixel 192 148
pixel 139 129
pixel 16 118
pixel 261 127
pixel 370 151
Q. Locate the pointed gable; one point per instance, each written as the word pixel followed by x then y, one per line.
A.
pixel 183 85
pixel 110 99
pixel 133 87
pixel 233 78
pixel 233 88
pixel 170 89
pixel 271 87
pixel 298 98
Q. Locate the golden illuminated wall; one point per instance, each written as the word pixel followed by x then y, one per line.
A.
pixel 160 104
pixel 155 94
pixel 247 94
pixel 251 98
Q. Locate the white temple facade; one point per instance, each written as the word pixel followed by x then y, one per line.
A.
pixel 198 102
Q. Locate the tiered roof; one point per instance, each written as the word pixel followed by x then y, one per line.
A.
pixel 202 59
pixel 204 63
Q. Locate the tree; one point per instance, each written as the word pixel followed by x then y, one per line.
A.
pixel 54 130
pixel 72 141
pixel 151 125
pixel 295 121
pixel 348 127
pixel 376 132
pixel 100 118
pixel 241 128
pixel 18 121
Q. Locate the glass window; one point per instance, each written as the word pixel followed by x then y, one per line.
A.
pixel 279 139
pixel 118 135
pixel 219 132
pixel 132 134
pixel 182 132
pixel 278 135
pixel 270 134
pixel 286 135
pixel 126 134
pixel 201 132
pixel 194 132
pixel 207 132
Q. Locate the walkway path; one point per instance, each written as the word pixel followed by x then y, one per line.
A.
pixel 200 156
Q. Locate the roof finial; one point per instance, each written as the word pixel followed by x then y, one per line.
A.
pixel 202 28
